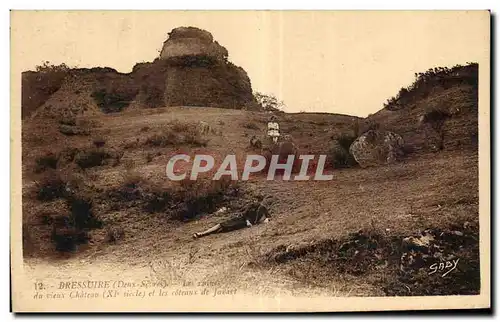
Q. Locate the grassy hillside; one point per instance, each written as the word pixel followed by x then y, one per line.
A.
pixel 101 193
pixel 451 90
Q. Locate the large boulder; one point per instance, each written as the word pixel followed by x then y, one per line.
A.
pixel 377 147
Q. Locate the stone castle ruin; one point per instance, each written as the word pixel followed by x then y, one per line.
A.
pixel 192 70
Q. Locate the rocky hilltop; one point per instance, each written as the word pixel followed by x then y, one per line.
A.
pixel 185 41
pixel 191 70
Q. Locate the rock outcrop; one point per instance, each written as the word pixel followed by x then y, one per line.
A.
pixel 192 70
pixel 375 148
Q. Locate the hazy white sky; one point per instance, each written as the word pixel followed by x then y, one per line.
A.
pixel 346 62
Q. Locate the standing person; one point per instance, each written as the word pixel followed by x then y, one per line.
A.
pixel 273 129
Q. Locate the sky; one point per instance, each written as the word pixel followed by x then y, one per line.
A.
pixel 347 62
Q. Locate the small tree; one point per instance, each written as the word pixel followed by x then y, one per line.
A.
pixel 269 102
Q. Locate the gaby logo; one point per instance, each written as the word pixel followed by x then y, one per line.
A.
pixel 202 163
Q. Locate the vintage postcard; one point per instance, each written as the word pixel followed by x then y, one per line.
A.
pixel 250 161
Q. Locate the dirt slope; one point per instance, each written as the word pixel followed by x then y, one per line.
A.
pixel 192 70
pixel 427 191
pixel 101 196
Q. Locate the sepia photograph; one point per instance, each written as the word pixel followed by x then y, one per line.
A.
pixel 250 161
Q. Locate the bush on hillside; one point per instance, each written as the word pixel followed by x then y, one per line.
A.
pixel 50 186
pixel 202 196
pixel 47 161
pixel 435 118
pixel 95 157
pixel 69 214
pixel 177 133
pixel 114 100
pixel 268 102
pixel 434 77
pixel 72 229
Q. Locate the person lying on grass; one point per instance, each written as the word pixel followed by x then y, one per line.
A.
pixel 253 213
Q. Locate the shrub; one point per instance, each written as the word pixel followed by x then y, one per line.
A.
pixel 268 102
pixel 47 161
pixel 186 199
pixel 72 230
pixel 436 118
pixel 47 67
pixel 92 158
pixel 426 82
pixel 340 155
pixel 157 198
pixel 202 196
pixel 114 100
pixel 66 239
pixel 70 216
pixel 129 190
pixel 82 216
pixel 342 159
pixel 345 140
pixel 50 187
